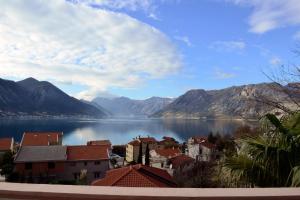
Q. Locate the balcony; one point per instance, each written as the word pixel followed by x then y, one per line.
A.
pixel 34 191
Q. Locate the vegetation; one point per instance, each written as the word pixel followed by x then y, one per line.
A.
pixel 270 159
pixel 7 166
pixel 140 158
pixel 147 155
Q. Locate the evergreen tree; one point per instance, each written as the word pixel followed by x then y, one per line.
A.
pixel 140 157
pixel 147 156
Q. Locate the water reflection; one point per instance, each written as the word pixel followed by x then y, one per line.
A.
pixel 119 131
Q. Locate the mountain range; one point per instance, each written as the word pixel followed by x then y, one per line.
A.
pixel 247 101
pixel 31 97
pixel 126 107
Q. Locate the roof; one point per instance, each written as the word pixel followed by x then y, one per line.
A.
pixel 168 152
pixel 136 176
pixel 199 139
pixel 147 140
pixel 180 160
pixel 99 142
pixel 88 152
pixel 40 138
pixel 134 143
pixel 6 144
pixel 208 145
pixel 41 153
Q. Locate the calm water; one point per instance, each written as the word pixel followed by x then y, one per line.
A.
pixel 119 131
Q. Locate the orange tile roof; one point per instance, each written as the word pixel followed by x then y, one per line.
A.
pixel 136 176
pixel 199 139
pixel 208 145
pixel 40 138
pixel 134 143
pixel 99 142
pixel 96 152
pixel 180 160
pixel 168 152
pixel 6 144
pixel 147 140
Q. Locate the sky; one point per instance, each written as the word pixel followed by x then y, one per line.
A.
pixel 145 48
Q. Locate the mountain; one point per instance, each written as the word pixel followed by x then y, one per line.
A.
pixel 233 102
pixel 31 97
pixel 125 107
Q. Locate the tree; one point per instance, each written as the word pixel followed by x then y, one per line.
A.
pixel 140 157
pixel 7 165
pixel 147 155
pixel 271 159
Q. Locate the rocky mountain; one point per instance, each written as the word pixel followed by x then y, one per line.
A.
pixel 31 97
pixel 125 107
pixel 233 102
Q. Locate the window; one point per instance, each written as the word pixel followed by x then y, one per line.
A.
pixel 85 163
pixel 73 164
pixel 97 174
pixel 200 151
pixel 51 165
pixel 97 162
pixel 28 166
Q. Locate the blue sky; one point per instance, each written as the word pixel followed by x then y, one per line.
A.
pixel 208 44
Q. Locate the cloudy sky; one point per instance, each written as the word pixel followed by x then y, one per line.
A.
pixel 144 48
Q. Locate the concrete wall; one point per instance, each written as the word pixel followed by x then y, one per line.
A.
pixel 90 166
pixel 59 192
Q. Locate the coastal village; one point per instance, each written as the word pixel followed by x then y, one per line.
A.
pixel 41 157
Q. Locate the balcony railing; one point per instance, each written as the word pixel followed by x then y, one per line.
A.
pixel 35 191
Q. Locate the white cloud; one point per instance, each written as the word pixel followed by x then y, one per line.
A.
pixel 297 36
pixel 275 61
pixel 271 14
pixel 228 46
pixel 220 74
pixel 75 43
pixel 184 39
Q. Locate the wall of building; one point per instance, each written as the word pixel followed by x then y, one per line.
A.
pixel 72 168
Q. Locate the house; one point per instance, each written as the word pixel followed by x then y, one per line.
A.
pixel 136 176
pixel 168 142
pixel 133 147
pixel 6 145
pixel 41 138
pixel 101 143
pixel 159 157
pixel 180 165
pixel 38 163
pixel 93 160
pixel 201 150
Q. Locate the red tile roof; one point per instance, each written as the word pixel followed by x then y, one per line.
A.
pixel 99 142
pixel 208 145
pixel 199 139
pixel 96 152
pixel 136 176
pixel 40 138
pixel 180 161
pixel 147 140
pixel 6 144
pixel 168 152
pixel 134 143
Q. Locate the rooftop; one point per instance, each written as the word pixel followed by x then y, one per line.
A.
pixel 41 138
pixel 170 152
pixel 41 153
pixel 89 152
pixel 6 144
pixel 136 176
pixel 99 142
pixel 180 160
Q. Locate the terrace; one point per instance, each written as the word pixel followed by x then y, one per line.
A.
pixel 34 191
